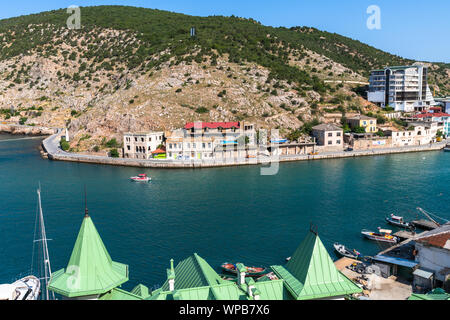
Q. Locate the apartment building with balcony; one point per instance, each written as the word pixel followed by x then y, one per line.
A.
pixel 404 88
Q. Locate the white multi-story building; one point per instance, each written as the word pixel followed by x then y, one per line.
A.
pixel 141 145
pixel 403 88
pixel 420 133
pixel 203 140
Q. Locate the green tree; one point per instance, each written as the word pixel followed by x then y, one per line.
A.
pixel 359 130
pixel 202 110
pixel 114 153
pixel 64 144
pixel 112 143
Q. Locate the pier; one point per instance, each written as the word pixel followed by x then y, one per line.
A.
pixel 425 224
pixel 405 235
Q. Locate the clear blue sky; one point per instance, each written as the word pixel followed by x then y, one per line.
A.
pixel 415 29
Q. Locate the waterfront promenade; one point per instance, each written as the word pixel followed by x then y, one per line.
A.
pixel 51 146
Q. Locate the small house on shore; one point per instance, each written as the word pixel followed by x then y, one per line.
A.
pixel 329 135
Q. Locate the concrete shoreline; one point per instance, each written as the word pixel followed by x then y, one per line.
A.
pixel 54 152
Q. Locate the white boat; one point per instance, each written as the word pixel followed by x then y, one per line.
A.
pixel 343 251
pixel 397 221
pixel 383 236
pixel 27 288
pixel 141 178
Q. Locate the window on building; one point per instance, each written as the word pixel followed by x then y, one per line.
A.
pixel 338 142
pixel 204 145
pixel 330 134
pixel 170 146
pixel 339 134
pixel 330 142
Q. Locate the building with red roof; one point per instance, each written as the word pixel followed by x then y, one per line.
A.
pixel 440 117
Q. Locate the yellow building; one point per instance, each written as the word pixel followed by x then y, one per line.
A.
pixel 368 123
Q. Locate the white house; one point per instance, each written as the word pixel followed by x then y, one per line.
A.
pixel 421 133
pixel 141 145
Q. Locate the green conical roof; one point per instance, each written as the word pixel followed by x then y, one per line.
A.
pixel 311 273
pixel 194 272
pixel 90 270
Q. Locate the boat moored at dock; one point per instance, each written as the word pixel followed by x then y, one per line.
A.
pixel 382 236
pixel 398 221
pixel 345 252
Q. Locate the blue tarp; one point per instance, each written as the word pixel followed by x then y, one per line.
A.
pixel 396 261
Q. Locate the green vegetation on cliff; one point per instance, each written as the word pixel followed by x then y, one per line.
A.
pixel 157 36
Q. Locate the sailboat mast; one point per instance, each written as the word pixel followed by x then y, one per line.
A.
pixel 47 267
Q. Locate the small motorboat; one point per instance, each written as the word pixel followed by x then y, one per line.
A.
pixel 343 251
pixel 141 178
pixel 382 235
pixel 288 259
pixel 251 271
pixel 397 221
pixel 27 288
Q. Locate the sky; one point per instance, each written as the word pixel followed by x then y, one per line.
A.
pixel 414 29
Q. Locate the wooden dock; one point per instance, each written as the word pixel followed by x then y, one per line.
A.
pixel 405 235
pixel 425 224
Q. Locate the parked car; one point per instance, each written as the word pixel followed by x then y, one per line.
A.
pixel 349 149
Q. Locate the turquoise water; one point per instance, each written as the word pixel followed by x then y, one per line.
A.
pixel 224 214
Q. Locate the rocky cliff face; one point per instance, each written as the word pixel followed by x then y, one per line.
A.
pixel 107 104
